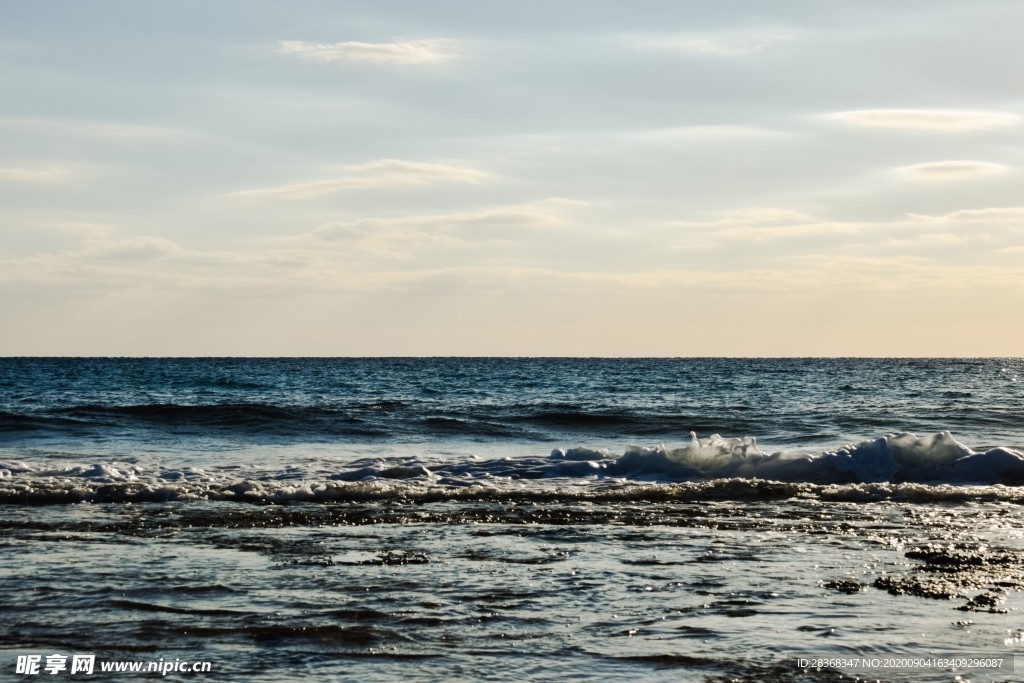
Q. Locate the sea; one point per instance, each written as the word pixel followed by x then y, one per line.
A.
pixel 512 519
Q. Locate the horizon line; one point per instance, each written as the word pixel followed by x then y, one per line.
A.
pixel 498 357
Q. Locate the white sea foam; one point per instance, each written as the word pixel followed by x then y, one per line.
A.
pixel 894 461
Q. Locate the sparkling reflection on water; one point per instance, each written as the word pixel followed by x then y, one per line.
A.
pixel 388 591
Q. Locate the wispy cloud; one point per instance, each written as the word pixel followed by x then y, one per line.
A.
pixel 399 53
pixel 49 174
pixel 377 174
pixel 341 255
pixel 760 215
pixel 928 120
pixel 762 233
pixel 1004 216
pixel 142 248
pixel 401 237
pixel 763 224
pixel 120 130
pixel 951 170
pixel 739 43
pixel 488 249
pixel 691 133
pixel 526 216
pixel 986 229
pixel 307 264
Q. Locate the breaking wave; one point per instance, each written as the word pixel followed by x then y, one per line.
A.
pixel 935 467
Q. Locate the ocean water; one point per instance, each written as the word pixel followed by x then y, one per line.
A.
pixel 513 519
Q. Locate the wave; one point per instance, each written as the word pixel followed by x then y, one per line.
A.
pixel 251 418
pixel 387 418
pixel 889 467
pixel 628 421
pixel 16 422
pixel 896 458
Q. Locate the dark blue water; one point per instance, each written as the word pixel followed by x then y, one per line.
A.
pixel 782 402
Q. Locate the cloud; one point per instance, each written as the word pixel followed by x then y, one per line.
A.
pixel 502 219
pixel 951 170
pixel 761 224
pixel 740 43
pixel 50 174
pixel 816 274
pixel 1008 215
pixel 79 229
pixel 412 52
pixel 344 255
pixel 400 237
pixel 377 174
pixel 928 120
pixel 103 262
pixel 925 240
pixel 155 265
pixel 131 249
pixel 129 132
pixel 690 133
pixel 392 239
pixel 985 229
pixel 495 249
pixel 761 215
pixel 899 274
pixel 789 231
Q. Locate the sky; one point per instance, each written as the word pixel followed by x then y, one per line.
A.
pixel 557 178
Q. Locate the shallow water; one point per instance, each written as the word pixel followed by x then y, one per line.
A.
pixel 638 590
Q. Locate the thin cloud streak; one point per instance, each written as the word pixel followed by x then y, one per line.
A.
pixel 50 174
pixel 393 54
pixel 926 120
pixel 914 230
pixel 691 133
pixel 401 237
pixel 738 43
pixel 114 130
pixel 378 174
pixel 1009 215
pixel 942 171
